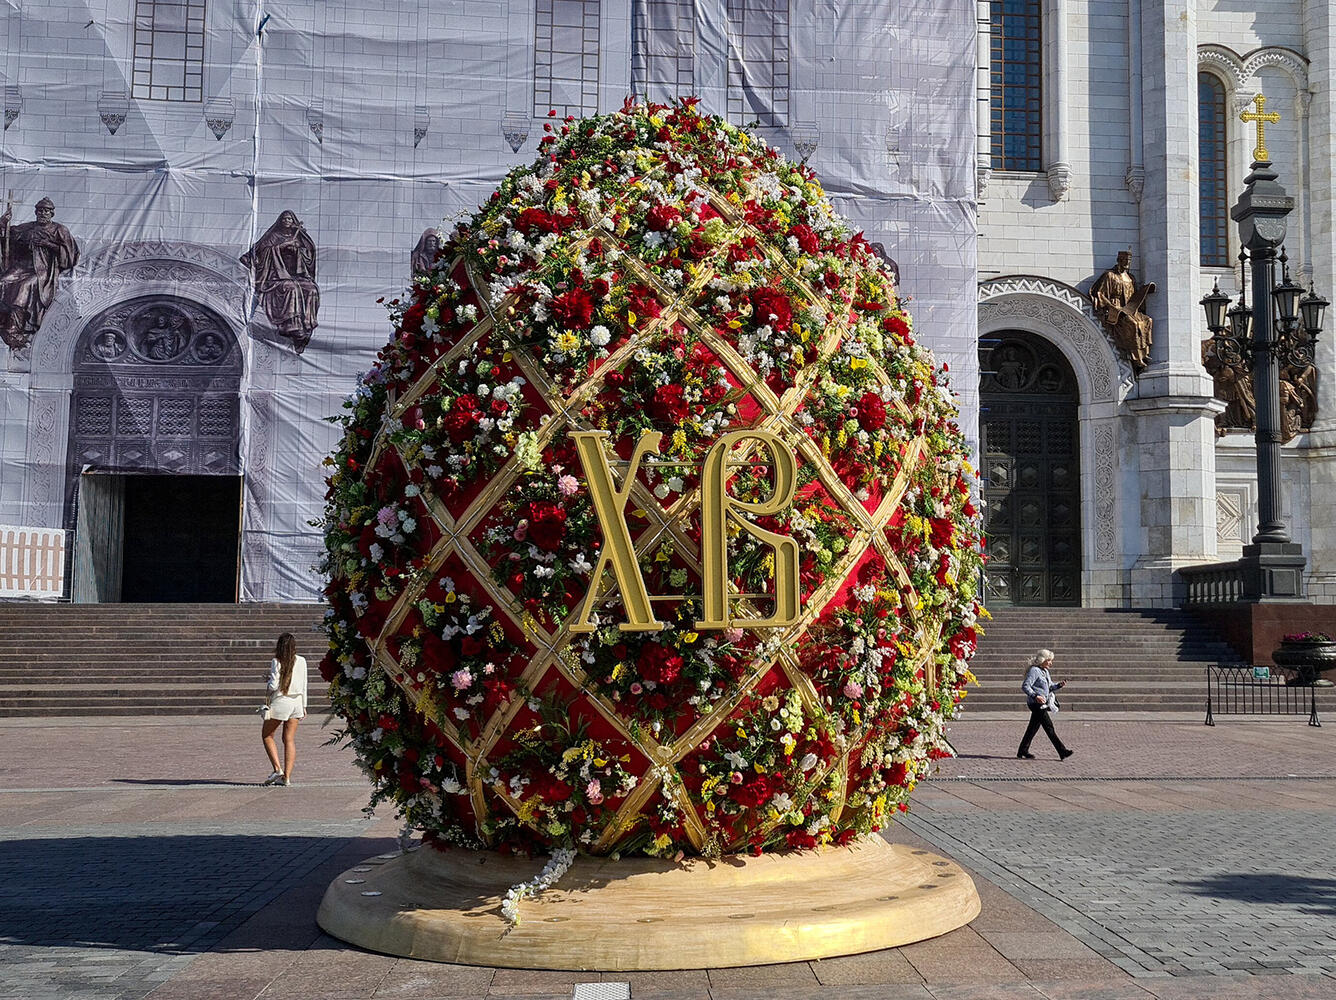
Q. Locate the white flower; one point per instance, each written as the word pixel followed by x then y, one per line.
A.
pixel 808 762
pixel 599 335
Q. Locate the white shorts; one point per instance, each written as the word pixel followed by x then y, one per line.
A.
pixel 282 707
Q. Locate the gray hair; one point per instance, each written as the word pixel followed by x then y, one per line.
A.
pixel 1041 656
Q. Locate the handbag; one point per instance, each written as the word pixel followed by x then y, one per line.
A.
pixel 264 711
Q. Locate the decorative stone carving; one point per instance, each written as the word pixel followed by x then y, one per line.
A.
pixel 1228 517
pixel 157 383
pixel 1059 180
pixel 1025 300
pixel 982 175
pixel 1135 179
pixel 421 123
pixel 33 256
pixel 282 265
pixel 219 114
pixel 13 105
pixel 1119 303
pixel 113 107
pixel 1106 494
pixel 806 138
pixel 515 129
pixel 424 254
pixel 315 120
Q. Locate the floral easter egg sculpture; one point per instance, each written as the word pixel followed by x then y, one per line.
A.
pixel 542 633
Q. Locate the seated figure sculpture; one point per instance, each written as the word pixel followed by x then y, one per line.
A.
pixel 282 266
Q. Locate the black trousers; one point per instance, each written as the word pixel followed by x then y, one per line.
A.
pixel 1040 717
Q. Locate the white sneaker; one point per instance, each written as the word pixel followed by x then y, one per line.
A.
pixel 274 779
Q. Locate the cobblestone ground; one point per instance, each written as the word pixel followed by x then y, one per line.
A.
pixel 1168 860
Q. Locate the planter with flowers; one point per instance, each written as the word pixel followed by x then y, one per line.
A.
pixel 1306 655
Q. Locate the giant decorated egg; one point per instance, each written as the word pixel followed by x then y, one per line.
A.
pixel 651 530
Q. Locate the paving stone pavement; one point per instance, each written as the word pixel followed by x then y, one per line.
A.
pixel 139 858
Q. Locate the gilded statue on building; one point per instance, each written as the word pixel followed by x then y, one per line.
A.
pixel 33 256
pixel 1120 305
pixel 1233 386
pixel 282 266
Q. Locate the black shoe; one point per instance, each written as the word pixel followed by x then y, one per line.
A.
pixel 1024 756
pixel 1064 754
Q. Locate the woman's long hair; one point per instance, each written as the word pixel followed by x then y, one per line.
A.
pixel 286 655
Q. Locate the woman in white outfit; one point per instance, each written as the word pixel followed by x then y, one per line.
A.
pixel 286 704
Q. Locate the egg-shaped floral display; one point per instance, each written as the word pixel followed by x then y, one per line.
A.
pixel 670 281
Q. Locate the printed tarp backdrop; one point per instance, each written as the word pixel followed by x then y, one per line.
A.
pixel 244 183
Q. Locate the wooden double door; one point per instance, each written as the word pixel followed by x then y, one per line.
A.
pixel 1031 449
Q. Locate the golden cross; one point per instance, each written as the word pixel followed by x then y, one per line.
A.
pixel 1261 116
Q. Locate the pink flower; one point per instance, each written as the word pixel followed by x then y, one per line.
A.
pixel 568 485
pixel 733 634
pixel 461 679
pixel 521 530
pixel 852 689
pixel 386 515
pixel 594 792
pixel 636 688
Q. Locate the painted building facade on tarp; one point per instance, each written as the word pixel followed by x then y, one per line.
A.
pixel 230 188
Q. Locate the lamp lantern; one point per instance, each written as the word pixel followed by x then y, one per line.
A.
pixel 1215 305
pixel 1313 307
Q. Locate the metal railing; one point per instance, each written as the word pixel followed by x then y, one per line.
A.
pixel 1237 691
pixel 1213 583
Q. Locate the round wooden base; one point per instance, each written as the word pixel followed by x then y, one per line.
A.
pixel 642 913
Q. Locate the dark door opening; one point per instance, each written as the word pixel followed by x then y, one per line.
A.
pixel 181 537
pixel 1029 419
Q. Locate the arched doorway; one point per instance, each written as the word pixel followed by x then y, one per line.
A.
pixel 153 485
pixel 1031 465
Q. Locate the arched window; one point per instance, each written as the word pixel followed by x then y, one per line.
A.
pixel 1015 69
pixel 169 50
pixel 1212 174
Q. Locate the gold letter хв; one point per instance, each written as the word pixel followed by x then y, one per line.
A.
pixel 610 508
pixel 717 508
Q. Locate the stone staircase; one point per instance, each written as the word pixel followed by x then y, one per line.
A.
pixel 148 659
pixel 203 659
pixel 1116 660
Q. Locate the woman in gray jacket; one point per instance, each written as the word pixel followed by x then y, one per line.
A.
pixel 1041 696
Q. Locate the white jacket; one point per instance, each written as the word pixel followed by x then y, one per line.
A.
pixel 296 688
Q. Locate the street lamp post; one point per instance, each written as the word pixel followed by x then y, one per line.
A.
pixel 1267 333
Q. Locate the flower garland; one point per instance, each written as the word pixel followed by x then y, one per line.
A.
pixel 655 270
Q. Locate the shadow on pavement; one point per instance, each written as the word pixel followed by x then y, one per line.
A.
pixel 1315 896
pixel 206 782
pixel 171 894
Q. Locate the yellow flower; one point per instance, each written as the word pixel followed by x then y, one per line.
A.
pixel 450 598
pixel 567 342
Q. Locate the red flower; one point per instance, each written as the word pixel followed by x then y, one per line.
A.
pixel 535 220
pixel 806 237
pixel 547 525
pixel 770 305
pixel 943 531
pixel 872 411
pixel 754 793
pixel 574 308
pixel 659 664
pixel 669 404
pixel 461 423
pixel 470 646
pixel 662 217
pixel 896 325
pixel 329 667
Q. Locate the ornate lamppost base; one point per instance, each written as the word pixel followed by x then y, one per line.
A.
pixel 645 914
